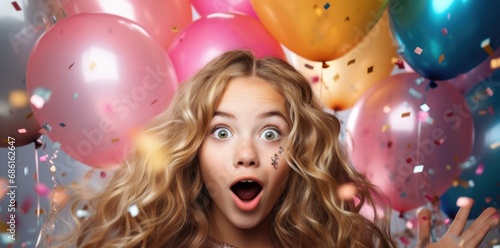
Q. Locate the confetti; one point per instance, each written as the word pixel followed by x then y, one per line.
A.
pixel 400 63
pixel 405 240
pixel 439 142
pixel 336 77
pixel 347 191
pixel 324 65
pixel 75 95
pixel 153 102
pixel 441 58
pixel 387 109
pixel 480 169
pixel 29 115
pixel 409 160
pixel 444 31
pixel 489 91
pixel 16 6
pixel 81 213
pixel 385 127
pixel 40 97
pixel 418 169
pixel 428 197
pixel 370 69
pixel 26 170
pixel 175 29
pixel 485 44
pixel 490 110
pixel 422 116
pixel 308 66
pixel 71 65
pixel 403 194
pixel 22 130
pixel 495 63
pixel 418 50
pixel 103 174
pixel 488 199
pixel 62 124
pixel 42 189
pixel 315 79
pixel 347 19
pixel 406 114
pixel 52 168
pixel 43 158
pixel 56 145
pixel 352 61
pixel 47 127
pixel 424 107
pixel 483 112
pixel 92 65
pixel 115 140
pixel 327 5
pixel 133 210
pixel 471 184
pixel 419 80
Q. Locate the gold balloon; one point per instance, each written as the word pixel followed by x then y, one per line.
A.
pixel 319 30
pixel 346 79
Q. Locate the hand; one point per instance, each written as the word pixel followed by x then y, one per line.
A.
pixel 456 236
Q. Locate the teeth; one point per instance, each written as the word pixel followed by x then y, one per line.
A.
pixel 246 181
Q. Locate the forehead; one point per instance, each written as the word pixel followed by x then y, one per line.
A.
pixel 251 91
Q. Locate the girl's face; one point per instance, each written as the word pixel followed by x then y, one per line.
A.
pixel 240 160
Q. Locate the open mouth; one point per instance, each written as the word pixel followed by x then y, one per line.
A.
pixel 246 190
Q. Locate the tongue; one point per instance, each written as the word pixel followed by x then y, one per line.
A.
pixel 247 191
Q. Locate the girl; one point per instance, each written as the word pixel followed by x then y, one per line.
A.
pixel 243 157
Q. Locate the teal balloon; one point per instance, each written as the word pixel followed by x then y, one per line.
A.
pixel 452 34
pixel 480 180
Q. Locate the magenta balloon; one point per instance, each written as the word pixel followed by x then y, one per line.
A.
pixel 392 137
pixel 161 18
pixel 204 7
pixel 212 35
pixel 102 77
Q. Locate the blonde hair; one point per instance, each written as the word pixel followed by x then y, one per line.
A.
pixel 174 203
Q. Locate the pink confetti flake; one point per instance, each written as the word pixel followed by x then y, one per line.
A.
pixel 447 221
pixel 26 205
pixel 43 158
pixel 489 91
pixel 42 189
pixel 22 130
pixel 405 240
pixel 418 50
pixel 16 6
pixel 444 31
pixel 428 197
pixel 422 116
pixel 463 201
pixel 480 169
pixel 37 101
pixel 315 79
pixel 409 160
pixel 491 110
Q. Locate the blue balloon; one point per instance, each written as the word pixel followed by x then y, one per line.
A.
pixel 481 179
pixel 452 34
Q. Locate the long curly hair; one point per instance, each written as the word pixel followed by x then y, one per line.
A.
pixel 174 205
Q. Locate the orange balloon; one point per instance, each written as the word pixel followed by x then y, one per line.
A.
pixel 319 30
pixel 346 79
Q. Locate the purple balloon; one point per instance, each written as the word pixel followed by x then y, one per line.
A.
pixel 410 139
pixel 212 35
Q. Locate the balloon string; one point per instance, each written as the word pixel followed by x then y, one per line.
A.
pixel 38 185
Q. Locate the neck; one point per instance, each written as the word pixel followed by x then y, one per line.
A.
pixel 224 231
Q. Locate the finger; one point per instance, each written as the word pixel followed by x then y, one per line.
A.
pixel 486 217
pixel 458 224
pixel 424 227
pixel 478 237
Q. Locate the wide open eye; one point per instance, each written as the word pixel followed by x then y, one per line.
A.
pixel 222 133
pixel 271 134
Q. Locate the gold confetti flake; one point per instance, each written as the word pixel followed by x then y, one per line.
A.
pixel 370 69
pixel 336 77
pixel 92 65
pixel 29 115
pixel 39 211
pixel 175 29
pixel 115 140
pixel 52 168
pixel 495 63
pixel 352 61
pixel 418 50
pixel 407 114
pixel 448 167
pixel 441 58
pixel 385 127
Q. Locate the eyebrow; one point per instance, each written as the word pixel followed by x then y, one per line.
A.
pixel 263 115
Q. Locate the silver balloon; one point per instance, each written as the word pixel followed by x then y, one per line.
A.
pixel 21 24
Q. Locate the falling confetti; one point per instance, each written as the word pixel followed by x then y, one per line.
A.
pixel 71 65
pixel 418 169
pixel 29 115
pixel 485 44
pixel 115 140
pixel 47 127
pixel 428 197
pixel 56 145
pixel 352 61
pixel 409 160
pixel 480 169
pixel 327 5
pixel 40 97
pixel 424 107
pixel 75 95
pixel 62 124
pixel 400 63
pixel 336 77
pixel 175 29
pixel 155 101
pixel 385 127
pixel 489 91
pixel 403 194
pixel 16 6
pixel 387 109
pixel 21 130
pixel 370 69
pixel 308 66
pixel 406 114
pixel 346 191
pixel 418 50
pixel 43 158
pixel 419 80
pixel 92 65
pixel 42 189
pixel 441 58
pixel 471 184
pixel 133 210
pixel 495 63
pixel 444 31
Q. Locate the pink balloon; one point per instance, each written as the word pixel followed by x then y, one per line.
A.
pixel 163 19
pixel 465 82
pixel 409 139
pixel 204 7
pixel 212 35
pixel 99 78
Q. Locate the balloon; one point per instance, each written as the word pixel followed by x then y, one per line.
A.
pixel 480 178
pixel 204 7
pixel 464 82
pixel 93 79
pixel 442 39
pixel 409 139
pixel 21 24
pixel 212 35
pixel 163 19
pixel 347 78
pixel 319 30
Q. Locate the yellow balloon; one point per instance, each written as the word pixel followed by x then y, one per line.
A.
pixel 319 30
pixel 346 79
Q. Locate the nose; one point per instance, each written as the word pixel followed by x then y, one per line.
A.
pixel 246 154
